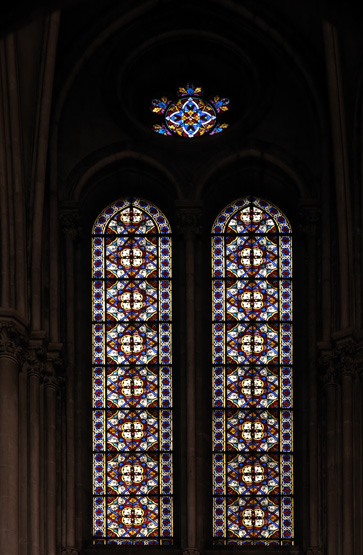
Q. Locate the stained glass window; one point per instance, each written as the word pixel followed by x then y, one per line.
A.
pixel 190 116
pixel 252 375
pixel 132 408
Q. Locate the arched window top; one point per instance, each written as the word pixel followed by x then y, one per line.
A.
pixel 131 216
pixel 251 215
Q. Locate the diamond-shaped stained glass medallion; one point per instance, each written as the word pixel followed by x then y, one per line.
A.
pixel 189 116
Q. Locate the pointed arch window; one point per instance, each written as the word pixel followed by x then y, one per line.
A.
pixel 132 395
pixel 252 375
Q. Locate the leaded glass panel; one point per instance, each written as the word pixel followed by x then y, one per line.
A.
pixel 132 396
pixel 252 375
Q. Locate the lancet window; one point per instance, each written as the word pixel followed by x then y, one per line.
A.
pixel 132 392
pixel 252 375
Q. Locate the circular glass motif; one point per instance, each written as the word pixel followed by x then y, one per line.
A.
pixel 190 117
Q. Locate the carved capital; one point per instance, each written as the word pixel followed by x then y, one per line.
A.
pixel 328 372
pixel 314 551
pixel 61 384
pixel 53 369
pixel 35 361
pixel 191 551
pixel 348 357
pixel 309 218
pixel 189 220
pixel 359 367
pixel 12 342
pixel 50 377
pixel 70 223
pixel 70 551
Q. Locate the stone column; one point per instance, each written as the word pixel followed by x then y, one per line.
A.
pixel 330 381
pixel 346 355
pixel 311 217
pixel 341 174
pixel 23 457
pixel 34 365
pixel 43 108
pixel 82 403
pixel 12 343
pixel 50 392
pixel 69 221
pixel 62 456
pixel 357 458
pixel 189 217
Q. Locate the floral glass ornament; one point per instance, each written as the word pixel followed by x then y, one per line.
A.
pixel 190 116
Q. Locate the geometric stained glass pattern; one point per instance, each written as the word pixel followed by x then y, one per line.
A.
pixel 132 397
pixel 190 116
pixel 252 376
